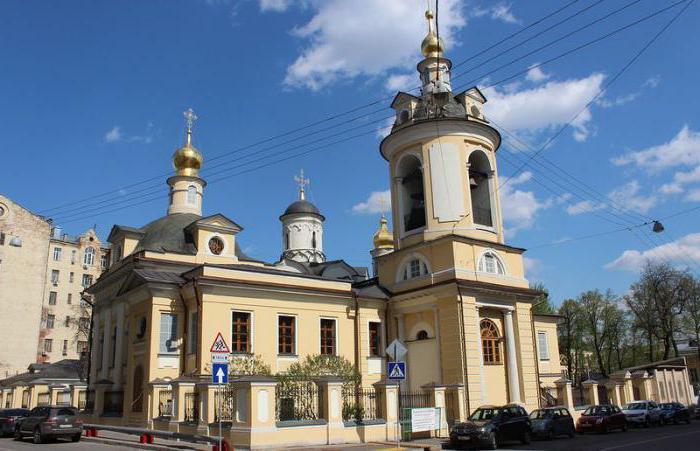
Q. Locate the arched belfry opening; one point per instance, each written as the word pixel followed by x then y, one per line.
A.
pixel 480 188
pixel 412 194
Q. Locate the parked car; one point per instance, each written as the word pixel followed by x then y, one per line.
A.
pixel 491 425
pixel 674 412
pixel 601 418
pixel 552 421
pixel 45 422
pixel 8 419
pixel 643 413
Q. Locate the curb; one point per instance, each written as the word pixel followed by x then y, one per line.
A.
pixel 115 442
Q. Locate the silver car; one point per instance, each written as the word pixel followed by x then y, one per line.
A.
pixel 643 413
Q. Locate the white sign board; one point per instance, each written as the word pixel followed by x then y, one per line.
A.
pixel 396 350
pixel 219 358
pixel 425 419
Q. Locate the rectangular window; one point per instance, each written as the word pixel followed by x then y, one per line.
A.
pixel 327 336
pixel 87 280
pixel 193 333
pixel 414 269
pixel 73 257
pixel 57 254
pixel 168 333
pixel 50 320
pixel 285 335
pixel 81 347
pixel 240 332
pixel 113 354
pixel 54 276
pixel 71 277
pixel 374 339
pixel 70 299
pixel 48 344
pixel 84 324
pixel 543 345
pixel 52 297
pixel 2 238
pixel 67 323
pixel 65 347
pixel 104 261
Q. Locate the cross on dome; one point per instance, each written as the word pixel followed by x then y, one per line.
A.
pixel 190 118
pixel 302 182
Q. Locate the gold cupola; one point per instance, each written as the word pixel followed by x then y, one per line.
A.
pixel 432 46
pixel 187 160
pixel 383 238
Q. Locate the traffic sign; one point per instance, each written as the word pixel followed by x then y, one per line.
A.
pixel 219 357
pixel 396 350
pixel 220 345
pixel 219 373
pixel 396 371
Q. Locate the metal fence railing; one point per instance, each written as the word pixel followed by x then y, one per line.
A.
pixel 191 407
pixel 225 404
pixel 361 404
pixel 297 401
pixel 165 403
pixel 412 400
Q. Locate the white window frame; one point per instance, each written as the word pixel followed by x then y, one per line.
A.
pixel 192 195
pixel 404 267
pixel 542 351
pixel 89 256
pixel 160 333
pixel 57 254
pixel 335 339
pixel 481 263
pixel 55 275
pixel 251 348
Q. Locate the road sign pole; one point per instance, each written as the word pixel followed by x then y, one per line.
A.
pixel 398 414
pixel 220 409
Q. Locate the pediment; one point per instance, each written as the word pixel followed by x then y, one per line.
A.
pixel 217 223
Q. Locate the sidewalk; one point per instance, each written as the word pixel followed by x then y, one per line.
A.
pixel 117 438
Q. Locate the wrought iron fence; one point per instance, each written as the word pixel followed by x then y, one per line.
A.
pixel 225 404
pixel 165 403
pixel 361 404
pixel 191 407
pixel 113 403
pixel 412 400
pixel 43 399
pixel 297 401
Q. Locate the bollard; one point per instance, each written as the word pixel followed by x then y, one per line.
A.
pixel 143 438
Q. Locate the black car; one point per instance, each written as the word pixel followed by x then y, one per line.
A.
pixel 45 422
pixel 8 419
pixel 674 412
pixel 491 425
pixel 551 422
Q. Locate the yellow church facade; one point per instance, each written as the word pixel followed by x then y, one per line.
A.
pixel 444 283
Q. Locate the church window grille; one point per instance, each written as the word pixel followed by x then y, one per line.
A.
pixel 327 336
pixel 490 343
pixel 89 257
pixel 286 331
pixel 374 339
pixel 240 332
pixel 192 195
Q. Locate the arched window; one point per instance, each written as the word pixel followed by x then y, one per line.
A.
pixel 422 335
pixel 412 197
pixel 489 262
pixel 192 195
pixel 137 395
pixel 89 257
pixel 414 268
pixel 480 188
pixel 490 343
pixel 286 240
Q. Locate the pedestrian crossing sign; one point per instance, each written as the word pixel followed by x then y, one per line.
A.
pixel 396 371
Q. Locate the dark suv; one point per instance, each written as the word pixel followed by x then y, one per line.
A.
pixel 46 422
pixel 490 425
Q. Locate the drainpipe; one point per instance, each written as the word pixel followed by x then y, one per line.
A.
pixel 357 331
pixel 183 350
pixel 200 319
pixel 465 378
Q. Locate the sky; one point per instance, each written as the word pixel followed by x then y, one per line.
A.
pixel 93 94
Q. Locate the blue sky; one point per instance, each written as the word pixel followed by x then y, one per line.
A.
pixel 93 94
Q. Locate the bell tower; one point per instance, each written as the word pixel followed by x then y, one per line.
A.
pixel 186 186
pixel 442 157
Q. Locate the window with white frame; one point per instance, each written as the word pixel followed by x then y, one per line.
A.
pixel 413 269
pixel 168 333
pixel 192 195
pixel 89 257
pixel 543 345
pixel 490 263
pixel 54 276
pixel 57 254
pixel 87 280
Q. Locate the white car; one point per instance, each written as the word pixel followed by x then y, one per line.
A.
pixel 643 413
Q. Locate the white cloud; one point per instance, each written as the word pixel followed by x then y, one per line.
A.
pixel 346 39
pixel 693 196
pixel 676 252
pixel 114 135
pixel 275 5
pixel 585 206
pixel 401 82
pixel 627 197
pixel 532 266
pixel 519 207
pixel 671 188
pixel 536 74
pixel 546 106
pixel 500 11
pixel 377 202
pixel 682 149
pixel 652 82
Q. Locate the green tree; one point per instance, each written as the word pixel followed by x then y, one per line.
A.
pixel 541 304
pixel 569 331
pixel 595 317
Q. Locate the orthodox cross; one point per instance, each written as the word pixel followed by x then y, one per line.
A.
pixel 302 182
pixel 190 117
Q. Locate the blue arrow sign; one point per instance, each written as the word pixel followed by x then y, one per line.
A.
pixel 396 371
pixel 219 373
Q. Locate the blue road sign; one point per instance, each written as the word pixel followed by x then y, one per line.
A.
pixel 219 373
pixel 396 371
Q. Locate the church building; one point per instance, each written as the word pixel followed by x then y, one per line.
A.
pixel 444 282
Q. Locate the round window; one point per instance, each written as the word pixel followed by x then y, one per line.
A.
pixel 216 245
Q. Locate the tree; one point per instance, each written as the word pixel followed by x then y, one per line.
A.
pixel 596 317
pixel 542 304
pixel 569 334
pixel 691 319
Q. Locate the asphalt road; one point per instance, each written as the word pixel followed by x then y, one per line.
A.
pixel 9 444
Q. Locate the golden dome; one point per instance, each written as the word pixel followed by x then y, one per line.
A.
pixel 431 47
pixel 383 238
pixel 187 159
